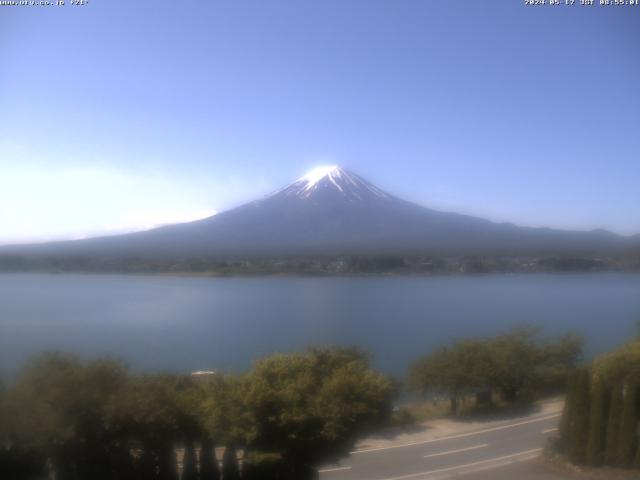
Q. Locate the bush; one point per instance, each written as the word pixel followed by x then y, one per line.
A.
pixel 264 466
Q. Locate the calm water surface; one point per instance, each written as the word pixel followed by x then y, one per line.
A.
pixel 186 324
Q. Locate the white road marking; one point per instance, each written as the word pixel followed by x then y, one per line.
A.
pixel 475 447
pixel 491 466
pixel 451 437
pixel 467 465
pixel 549 430
pixel 336 469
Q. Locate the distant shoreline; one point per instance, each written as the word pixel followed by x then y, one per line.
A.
pixel 186 274
pixel 324 266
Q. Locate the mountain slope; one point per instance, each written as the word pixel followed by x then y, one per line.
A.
pixel 332 211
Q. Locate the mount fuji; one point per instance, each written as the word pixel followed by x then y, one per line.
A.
pixel 332 211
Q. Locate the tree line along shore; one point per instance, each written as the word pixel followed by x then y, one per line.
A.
pixel 325 265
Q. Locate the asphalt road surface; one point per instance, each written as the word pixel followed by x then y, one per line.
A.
pixel 506 451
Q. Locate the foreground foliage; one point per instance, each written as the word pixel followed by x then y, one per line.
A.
pixel 95 420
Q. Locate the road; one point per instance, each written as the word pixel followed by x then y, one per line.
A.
pixel 499 451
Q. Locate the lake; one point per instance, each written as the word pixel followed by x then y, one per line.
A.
pixel 190 323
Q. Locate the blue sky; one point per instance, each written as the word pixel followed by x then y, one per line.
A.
pixel 122 115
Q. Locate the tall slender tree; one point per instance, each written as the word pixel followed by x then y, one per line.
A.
pixel 567 414
pixel 613 425
pixel 627 440
pixel 579 432
pixel 597 423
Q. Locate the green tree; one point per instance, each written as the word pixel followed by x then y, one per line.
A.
pixel 17 461
pixel 158 412
pixel 597 423
pixel 566 421
pixel 455 371
pixel 88 417
pixel 312 406
pixel 613 425
pixel 515 358
pixel 558 358
pixel 224 410
pixel 518 364
pixel 621 365
pixel 620 369
pixel 61 408
pixel 627 441
pixel 579 428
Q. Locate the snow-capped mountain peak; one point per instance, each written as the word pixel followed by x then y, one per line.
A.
pixel 333 181
pixel 317 174
pixel 328 211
